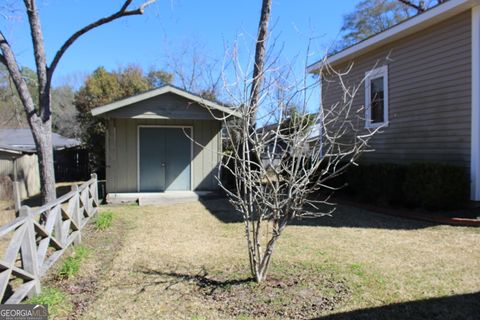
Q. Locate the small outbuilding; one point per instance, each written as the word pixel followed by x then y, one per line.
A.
pixel 166 139
pixel 19 162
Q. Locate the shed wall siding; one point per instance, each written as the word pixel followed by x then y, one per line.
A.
pixel 122 152
pixel 429 94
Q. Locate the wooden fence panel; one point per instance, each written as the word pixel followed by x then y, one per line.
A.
pixel 35 246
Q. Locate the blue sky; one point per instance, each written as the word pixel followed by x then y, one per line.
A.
pixel 168 26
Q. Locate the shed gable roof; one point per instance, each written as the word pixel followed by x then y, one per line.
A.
pixel 408 27
pixel 165 90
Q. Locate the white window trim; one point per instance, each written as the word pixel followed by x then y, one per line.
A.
pixel 373 74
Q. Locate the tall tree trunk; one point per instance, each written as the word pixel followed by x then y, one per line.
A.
pixel 42 135
pixel 247 154
pixel 259 63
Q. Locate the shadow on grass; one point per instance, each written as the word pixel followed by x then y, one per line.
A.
pixel 465 307
pixel 201 280
pixel 343 217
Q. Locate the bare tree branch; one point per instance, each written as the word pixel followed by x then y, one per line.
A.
pixel 123 12
pixel 420 7
pixel 2 60
pixel 40 57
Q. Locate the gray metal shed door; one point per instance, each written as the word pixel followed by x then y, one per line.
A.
pixel 165 159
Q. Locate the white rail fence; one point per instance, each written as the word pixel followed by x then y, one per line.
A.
pixel 30 248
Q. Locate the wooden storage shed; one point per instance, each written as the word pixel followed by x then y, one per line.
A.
pixel 162 140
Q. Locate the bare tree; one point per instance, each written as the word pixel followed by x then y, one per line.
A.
pixel 299 156
pixel 38 113
pixel 278 169
pixel 194 70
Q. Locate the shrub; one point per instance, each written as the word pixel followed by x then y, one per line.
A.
pixel 422 185
pixel 377 183
pixel 104 220
pixel 436 186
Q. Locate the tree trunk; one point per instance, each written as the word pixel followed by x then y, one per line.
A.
pixel 42 135
pixel 259 63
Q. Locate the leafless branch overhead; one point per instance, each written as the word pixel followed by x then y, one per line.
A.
pixel 123 12
pixel 420 7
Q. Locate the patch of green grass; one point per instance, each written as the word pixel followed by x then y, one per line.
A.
pixel 81 252
pixel 198 318
pixel 57 301
pixel 357 269
pixel 71 265
pixel 104 220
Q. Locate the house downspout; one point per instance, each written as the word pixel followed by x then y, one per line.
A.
pixel 475 131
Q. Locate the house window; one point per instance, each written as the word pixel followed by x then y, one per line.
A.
pixel 376 98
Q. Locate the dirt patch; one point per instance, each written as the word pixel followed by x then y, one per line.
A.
pixel 296 294
pixel 290 298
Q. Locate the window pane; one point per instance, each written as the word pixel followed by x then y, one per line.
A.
pixel 377 102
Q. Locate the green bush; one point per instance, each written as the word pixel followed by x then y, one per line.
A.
pixel 104 220
pixel 377 183
pixel 436 186
pixel 421 185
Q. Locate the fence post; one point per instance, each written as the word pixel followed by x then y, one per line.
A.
pixel 95 192
pixel 76 214
pixel 28 251
pixel 17 197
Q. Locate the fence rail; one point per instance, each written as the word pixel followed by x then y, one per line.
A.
pixel 39 236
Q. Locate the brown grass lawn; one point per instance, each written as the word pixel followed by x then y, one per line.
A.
pixel 189 262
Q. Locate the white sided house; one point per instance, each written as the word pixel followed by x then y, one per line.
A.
pixel 422 85
pixel 162 140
